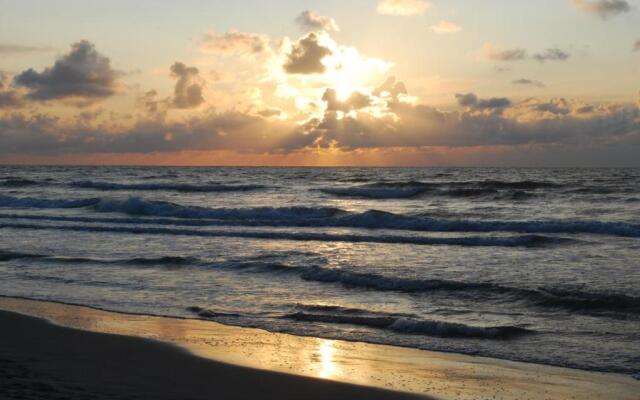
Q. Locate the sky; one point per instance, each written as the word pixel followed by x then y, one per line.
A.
pixel 321 83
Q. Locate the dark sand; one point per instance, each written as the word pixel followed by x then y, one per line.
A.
pixel 39 360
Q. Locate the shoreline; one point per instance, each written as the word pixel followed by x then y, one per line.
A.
pixel 363 342
pixel 321 362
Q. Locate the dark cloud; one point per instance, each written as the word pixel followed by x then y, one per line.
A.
pixel 472 101
pixel 493 54
pixel 310 20
pixel 603 8
pixel 636 46
pixel 149 101
pixel 8 48
pixel 556 106
pixel 585 109
pixel 552 54
pixel 82 73
pixel 481 123
pixel 356 101
pixel 556 122
pixel 42 134
pixel 9 97
pixel 306 56
pixel 188 90
pixel 529 82
pixel 419 126
pixel 234 42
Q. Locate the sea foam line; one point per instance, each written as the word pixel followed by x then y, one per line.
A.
pixel 510 241
pixel 321 217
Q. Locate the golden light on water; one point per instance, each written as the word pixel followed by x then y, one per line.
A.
pixel 327 351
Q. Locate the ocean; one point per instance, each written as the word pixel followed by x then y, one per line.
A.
pixel 534 265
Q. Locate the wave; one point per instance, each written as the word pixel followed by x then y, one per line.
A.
pixel 137 206
pixel 209 314
pixel 570 299
pixel 11 255
pixel 404 190
pixel 16 182
pixel 316 217
pixel 320 217
pixel 332 308
pixel 514 241
pixel 565 298
pixel 211 188
pixel 29 202
pixel 414 326
pixel 522 185
pixel 164 260
pixel 401 190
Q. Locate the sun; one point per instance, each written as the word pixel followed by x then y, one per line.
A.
pixel 348 71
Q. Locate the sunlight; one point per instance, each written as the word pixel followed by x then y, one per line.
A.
pixel 326 359
pixel 349 71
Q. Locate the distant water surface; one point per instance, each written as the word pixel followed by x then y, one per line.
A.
pixel 537 265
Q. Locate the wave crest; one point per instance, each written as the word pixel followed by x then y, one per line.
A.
pixel 210 188
pixel 414 326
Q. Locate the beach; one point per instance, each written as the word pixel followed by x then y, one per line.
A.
pixel 39 360
pixel 50 350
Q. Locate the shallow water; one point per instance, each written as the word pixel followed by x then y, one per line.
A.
pixel 538 265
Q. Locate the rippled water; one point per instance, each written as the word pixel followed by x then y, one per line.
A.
pixel 538 265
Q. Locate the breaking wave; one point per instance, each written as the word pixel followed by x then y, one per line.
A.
pixel 509 241
pixel 210 188
pixel 415 326
pixel 566 298
pixel 328 217
pixel 29 202
pixel 404 190
pixel 16 182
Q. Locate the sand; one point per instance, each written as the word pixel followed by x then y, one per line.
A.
pixel 80 352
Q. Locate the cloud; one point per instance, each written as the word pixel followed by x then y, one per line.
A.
pixel 493 54
pixel 551 54
pixel 535 123
pixel 310 20
pixel 603 8
pixel 356 101
pixel 529 82
pixel 150 102
pixel 9 48
pixel 558 107
pixel 82 73
pixel 270 112
pixel 234 42
pixel 446 27
pixel 472 101
pixel 306 56
pixel 636 46
pixel 403 7
pixel 188 90
pixel 44 134
pixel 390 88
pixel 9 97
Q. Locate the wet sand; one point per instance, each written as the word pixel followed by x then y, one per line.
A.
pixel 93 354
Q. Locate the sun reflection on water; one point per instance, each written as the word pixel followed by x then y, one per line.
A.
pixel 327 351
